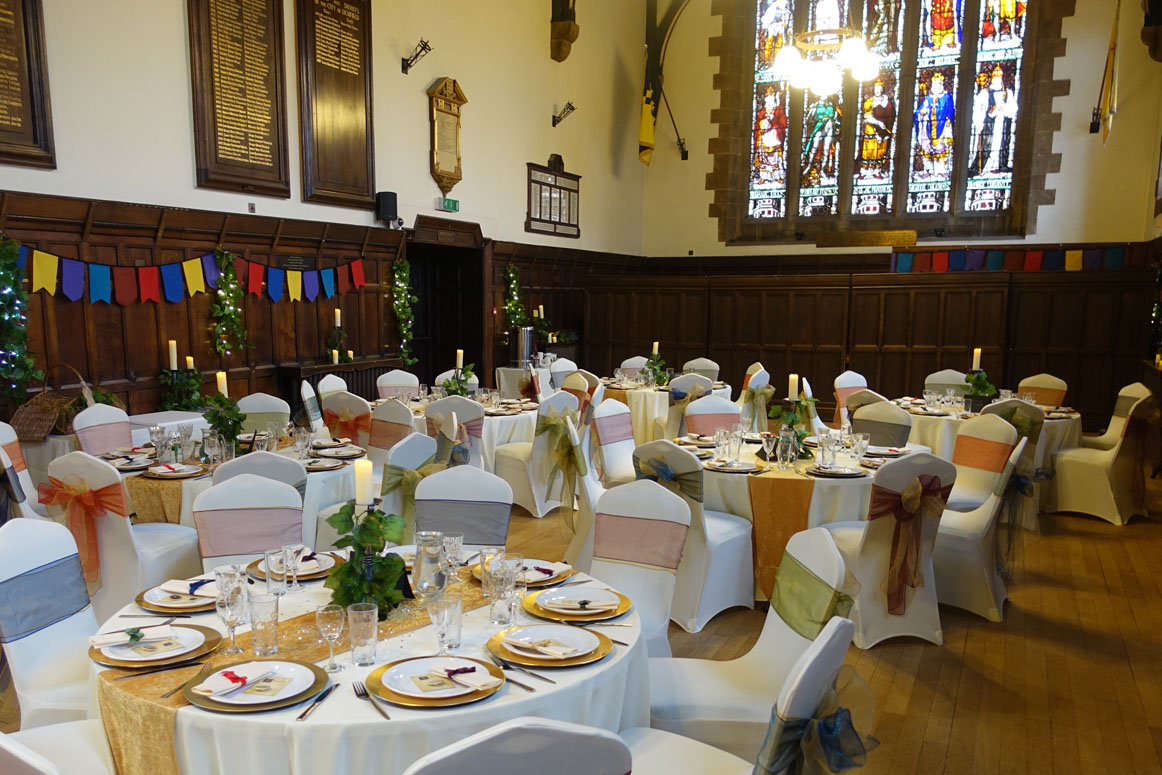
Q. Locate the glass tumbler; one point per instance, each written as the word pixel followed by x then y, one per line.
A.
pixel 428 572
pixel 264 624
pixel 486 556
pixel 363 630
pixel 275 563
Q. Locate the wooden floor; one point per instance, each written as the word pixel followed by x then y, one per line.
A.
pixel 1070 682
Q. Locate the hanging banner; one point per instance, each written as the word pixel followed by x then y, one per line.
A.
pixel 147 283
pixel 294 284
pixel 195 280
pixel 100 289
pixel 72 279
pixel 44 266
pixel 124 285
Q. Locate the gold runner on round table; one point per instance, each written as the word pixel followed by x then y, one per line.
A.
pixel 618 394
pixel 156 500
pixel 141 726
pixel 779 505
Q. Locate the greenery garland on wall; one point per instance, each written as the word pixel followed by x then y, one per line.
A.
pixel 226 310
pixel 17 364
pixel 514 311
pixel 401 302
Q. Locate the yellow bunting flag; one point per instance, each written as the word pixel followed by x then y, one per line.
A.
pixel 44 266
pixel 1073 261
pixel 294 283
pixel 195 280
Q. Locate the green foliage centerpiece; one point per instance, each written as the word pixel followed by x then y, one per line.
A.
pixel 226 310
pixel 180 390
pixel 655 368
pixel 980 390
pixel 17 364
pixel 224 418
pixel 369 576
pixel 401 303
pixel 337 340
pixel 457 384
pixel 792 413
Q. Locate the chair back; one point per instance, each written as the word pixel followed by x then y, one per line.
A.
pixel 469 414
pixel 817 425
pixel 704 366
pixel 579 553
pixel 347 415
pixel 1026 418
pixel 863 397
pixel 559 369
pixel 983 446
pixel 398 383
pixel 413 451
pixel 466 500
pixel 531 744
pixel 946 379
pixel 682 475
pixel 263 410
pixel 613 435
pixel 689 382
pixel 391 423
pixel 847 383
pixel 577 386
pixel 312 407
pixel 509 381
pixel 10 446
pixel 331 384
pixel 102 428
pixel 541 458
pixel 756 377
pixel 268 465
pixel 810 677
pixel 1127 397
pixel 684 390
pixel 709 413
pixel 593 380
pixel 1047 390
pixel 887 424
pixel 473 381
pixel 244 516
pixel 18 759
pixel 39 561
pixel 633 365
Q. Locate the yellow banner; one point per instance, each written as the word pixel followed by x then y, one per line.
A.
pixel 294 283
pixel 1073 262
pixel 44 266
pixel 195 280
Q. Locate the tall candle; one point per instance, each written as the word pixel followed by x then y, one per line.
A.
pixel 459 359
pixel 173 355
pixel 364 494
pixel 793 386
pixel 541 310
pixel 221 376
pixel 350 355
pixel 189 361
pixel 655 350
pixel 976 359
pixel 338 318
pixel 335 357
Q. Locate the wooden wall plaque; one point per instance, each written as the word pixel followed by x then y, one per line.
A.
pixel 25 113
pixel 446 101
pixel 334 55
pixel 238 69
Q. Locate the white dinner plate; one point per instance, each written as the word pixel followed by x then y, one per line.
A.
pixel 837 472
pixel 330 443
pixel 325 561
pixel 876 451
pixel 399 677
pixel 578 638
pixel 139 465
pixel 324 464
pixel 188 637
pixel 811 441
pixel 180 471
pixel 300 680
pixel 346 451
pixel 159 596
pixel 557 599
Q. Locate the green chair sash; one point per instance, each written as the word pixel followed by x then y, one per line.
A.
pixel 406 480
pixel 804 601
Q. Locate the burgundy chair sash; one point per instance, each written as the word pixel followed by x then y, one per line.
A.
pixel 923 498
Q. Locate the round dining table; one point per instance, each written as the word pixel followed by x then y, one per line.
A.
pixel 344 734
pixel 497 430
pixel 647 404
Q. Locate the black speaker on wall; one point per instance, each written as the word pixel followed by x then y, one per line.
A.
pixel 385 207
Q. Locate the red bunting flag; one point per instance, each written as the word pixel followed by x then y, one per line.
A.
pixel 147 279
pixel 255 284
pixel 1033 261
pixel 922 262
pixel 940 262
pixel 125 285
pixel 1014 260
pixel 341 280
pixel 240 270
pixel 357 273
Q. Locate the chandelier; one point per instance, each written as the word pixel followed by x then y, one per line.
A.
pixel 818 58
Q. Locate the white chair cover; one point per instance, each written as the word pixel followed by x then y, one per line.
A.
pixel 709 413
pixel 10 445
pixel 946 379
pixel 863 397
pixel 346 415
pixel 473 382
pixel 611 443
pixel 559 369
pixel 243 517
pixel 717 567
pixel 470 416
pixel 465 500
pixel 704 366
pixel 46 646
pixel 1047 390
pixel 964 557
pixel 983 446
pixel 593 380
pixel 102 428
pixel 845 384
pixel 1127 397
pixel 579 553
pixel 391 423
pixel 887 424
pixel 817 425
pixel 398 383
pixel 312 407
pixel 530 745
pixel 577 386
pixel 132 557
pixel 268 465
pixel 633 365
pixel 687 386
pixel 527 466
pixel 727 704
pixel 331 384
pixel 753 408
pixel 639 534
pixel 1028 420
pixel 68 748
pixel 920 482
pixel 262 410
pixel 509 381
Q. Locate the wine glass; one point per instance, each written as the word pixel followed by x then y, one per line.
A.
pixel 294 555
pixel 329 620
pixel 231 607
pixel 212 446
pixel 302 442
pixel 186 431
pixel 769 441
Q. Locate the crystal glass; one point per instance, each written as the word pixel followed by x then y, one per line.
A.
pixel 187 449
pixel 329 620
pixel 769 442
pixel 231 606
pixel 486 556
pixel 859 446
pixel 930 398
pixel 264 624
pixel 1029 398
pixel 445 611
pixel 734 444
pixel 788 449
pixel 827 442
pixel 157 436
pixel 516 593
pixel 362 629
pixel 302 442
pixel 618 376
pixel 721 443
pixel 186 431
pixel 1006 395
pixel 453 544
pixel 211 447
pixel 275 562
pixel 293 553
pixel 428 570
pixel 501 578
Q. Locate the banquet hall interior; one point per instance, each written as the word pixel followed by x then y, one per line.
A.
pixel 580 387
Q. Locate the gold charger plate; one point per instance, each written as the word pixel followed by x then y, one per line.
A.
pixel 161 609
pixel 497 647
pixel 549 582
pixel 184 475
pixel 337 464
pixel 530 604
pixel 743 468
pixel 225 707
pixel 356 452
pixel 213 638
pixel 260 574
pixel 376 687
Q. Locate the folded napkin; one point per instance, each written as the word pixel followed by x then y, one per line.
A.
pixel 235 677
pixel 331 442
pixel 123 637
pixel 168 468
pixel 304 566
pixel 548 647
pixel 538 572
pixel 201 587
pixel 470 676
pixel 583 605
pixel 130 460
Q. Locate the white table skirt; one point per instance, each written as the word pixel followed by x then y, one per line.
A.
pixel 649 404
pixel 344 735
pixel 497 431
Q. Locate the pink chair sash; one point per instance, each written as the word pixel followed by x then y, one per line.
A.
pixel 386 434
pixel 630 371
pixel 613 428
pixel 639 540
pixel 983 454
pixel 707 424
pixel 224 532
pixel 392 391
pixel 99 439
pixel 843 393
pixel 15 454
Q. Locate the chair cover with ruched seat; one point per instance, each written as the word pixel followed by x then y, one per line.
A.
pixel 10 445
pixel 710 413
pixel 530 468
pixel 469 416
pixel 444 376
pixel 704 366
pixel 717 565
pixel 845 384
pixel 102 428
pixel 243 517
pixel 632 366
pixel 465 500
pixel 263 410
pixel 398 383
pixel 945 380
pixel 347 416
pixel 329 384
pixel 886 424
pixel 611 443
pixel 983 446
pixel 1047 390
pixel 67 748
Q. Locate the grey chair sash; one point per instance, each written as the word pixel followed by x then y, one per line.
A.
pixel 481 522
pixel 41 597
pixel 10 492
pixel 883 434
pixel 301 486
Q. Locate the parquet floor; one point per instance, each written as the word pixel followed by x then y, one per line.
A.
pixel 1069 683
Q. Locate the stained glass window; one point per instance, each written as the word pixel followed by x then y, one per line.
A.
pixel 768 156
pixel 822 116
pixel 879 100
pixel 934 117
pixel 994 106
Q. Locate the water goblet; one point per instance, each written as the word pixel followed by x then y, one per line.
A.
pixel 930 398
pixel 186 431
pixel 329 620
pixel 211 447
pixel 453 544
pixel 1006 395
pixel 231 608
pixel 302 442
pixel 445 613
pixel 859 446
pixel 157 436
pixel 293 556
pixel 769 442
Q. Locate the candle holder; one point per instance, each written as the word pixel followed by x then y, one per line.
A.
pixel 457 384
pixel 369 576
pixel 180 390
pixel 337 340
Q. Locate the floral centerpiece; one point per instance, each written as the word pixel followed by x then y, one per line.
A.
pixel 457 384
pixel 180 390
pixel 370 576
pixel 980 390
pixel 791 414
pixel 655 368
pixel 224 418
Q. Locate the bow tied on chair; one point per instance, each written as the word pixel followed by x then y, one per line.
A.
pixel 658 470
pixel 454 450
pixel 81 506
pixel 1022 483
pixel 343 424
pixel 831 740
pixel 682 400
pixel 757 399
pixel 924 497
pixel 568 460
pixel 406 480
pixel 10 492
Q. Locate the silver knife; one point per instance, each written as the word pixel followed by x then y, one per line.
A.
pixel 512 666
pixel 515 682
pixel 318 701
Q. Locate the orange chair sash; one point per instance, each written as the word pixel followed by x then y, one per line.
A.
pixel 82 506
pixel 15 454
pixel 349 427
pixel 983 454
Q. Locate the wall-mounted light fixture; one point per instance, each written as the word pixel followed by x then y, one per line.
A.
pixel 565 111
pixel 419 52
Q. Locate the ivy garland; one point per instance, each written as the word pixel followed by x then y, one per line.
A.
pixel 17 364
pixel 180 390
pixel 401 302
pixel 514 311
pixel 226 310
pixel 337 340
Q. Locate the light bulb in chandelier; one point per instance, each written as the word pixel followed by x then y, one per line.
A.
pixel 826 79
pixel 851 52
pixel 867 68
pixel 802 71
pixel 787 61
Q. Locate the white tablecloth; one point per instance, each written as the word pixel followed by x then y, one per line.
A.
pixel 496 431
pixel 344 735
pixel 141 423
pixel 649 404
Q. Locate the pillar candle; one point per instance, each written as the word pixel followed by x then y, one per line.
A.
pixel 793 386
pixel 976 359
pixel 221 376
pixel 338 318
pixel 364 494
pixel 351 355
pixel 541 310
pixel 655 350
pixel 459 359
pixel 189 361
pixel 335 357
pixel 173 355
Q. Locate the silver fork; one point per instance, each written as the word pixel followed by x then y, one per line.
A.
pixel 361 693
pixel 201 674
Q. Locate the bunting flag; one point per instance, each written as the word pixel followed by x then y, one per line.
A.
pixel 254 282
pixel 22 257
pixel 273 283
pixel 311 284
pixel 328 277
pixel 1033 261
pixel 171 280
pixel 195 280
pixel 1073 261
pixel 211 270
pixel 341 279
pixel 1088 259
pixel 44 267
pixel 147 283
pixel 357 273
pixel 294 284
pixel 124 285
pixel 100 288
pixel 956 260
pixel 72 279
pixel 940 262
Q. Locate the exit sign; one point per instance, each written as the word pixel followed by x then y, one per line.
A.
pixel 447 205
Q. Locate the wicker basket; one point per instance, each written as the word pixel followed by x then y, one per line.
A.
pixel 47 411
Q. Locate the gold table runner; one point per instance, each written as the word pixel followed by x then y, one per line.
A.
pixel 156 500
pixel 779 504
pixel 141 726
